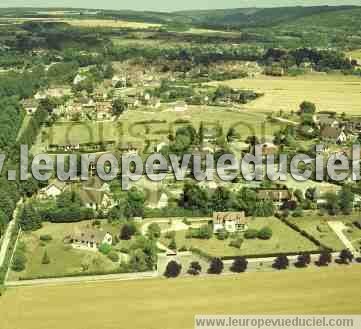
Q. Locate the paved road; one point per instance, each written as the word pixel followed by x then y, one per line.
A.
pixel 338 228
pixel 83 279
pixel 7 236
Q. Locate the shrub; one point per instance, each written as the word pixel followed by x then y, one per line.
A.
pixel 216 266
pixel 113 256
pixel 183 248
pixel 222 234
pixel 237 243
pixel 127 231
pixel 346 257
pixel 173 269
pixel 251 234
pixel 239 265
pixel 172 245
pixel 281 262
pixel 186 221
pixel 19 262
pixel 154 231
pixel 105 248
pixel 46 238
pixel 194 268
pixel 170 235
pixel 298 212
pixel 324 259
pixel 46 259
pixel 303 260
pixel 205 232
pixel 265 233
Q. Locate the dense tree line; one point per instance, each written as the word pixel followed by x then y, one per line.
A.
pixel 222 199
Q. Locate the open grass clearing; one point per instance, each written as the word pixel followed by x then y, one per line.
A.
pixel 172 304
pixel 64 260
pixel 139 126
pixel 333 92
pixel 317 226
pixel 284 239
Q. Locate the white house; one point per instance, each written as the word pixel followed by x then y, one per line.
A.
pixel 31 106
pixel 52 190
pixel 230 221
pixel 89 239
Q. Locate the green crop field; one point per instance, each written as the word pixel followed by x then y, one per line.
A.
pixel 172 304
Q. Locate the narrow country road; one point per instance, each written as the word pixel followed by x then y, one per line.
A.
pixel 83 279
pixel 338 228
pixel 7 236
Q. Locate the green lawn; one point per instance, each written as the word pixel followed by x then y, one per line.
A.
pixel 84 132
pixel 64 259
pixel 317 226
pixel 139 126
pixel 284 239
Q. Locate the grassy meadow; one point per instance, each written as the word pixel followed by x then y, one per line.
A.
pixel 284 239
pixel 64 260
pixel 138 126
pixel 172 304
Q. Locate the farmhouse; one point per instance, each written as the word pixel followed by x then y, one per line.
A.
pixel 269 149
pixel 31 106
pixel 326 120
pixel 277 195
pixel 95 199
pixel 89 239
pixel 52 190
pixel 230 221
pixel 333 135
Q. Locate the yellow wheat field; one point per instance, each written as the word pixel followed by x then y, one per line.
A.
pixel 337 93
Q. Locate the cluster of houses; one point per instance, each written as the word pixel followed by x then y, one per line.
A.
pixel 334 130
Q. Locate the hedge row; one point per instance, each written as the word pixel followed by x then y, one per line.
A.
pixel 174 212
pixel 6 264
pixel 80 274
pixel 207 256
pixel 305 234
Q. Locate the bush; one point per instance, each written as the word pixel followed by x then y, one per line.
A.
pixel 170 235
pixel 46 259
pixel 303 260
pixel 105 248
pixel 173 269
pixel 46 238
pixel 19 262
pixel 239 265
pixel 265 233
pixel 216 266
pixel 237 243
pixel 182 249
pixel 113 256
pixel 127 231
pixel 154 231
pixel 222 234
pixel 281 262
pixel 298 212
pixel 251 234
pixel 195 268
pixel 172 245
